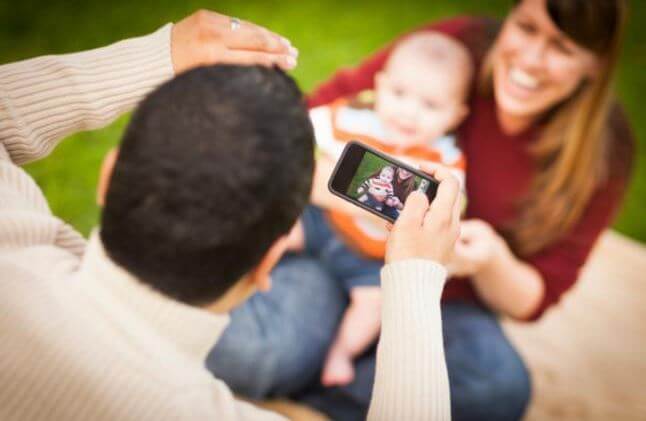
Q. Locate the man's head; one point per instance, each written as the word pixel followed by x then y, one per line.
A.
pixel 422 91
pixel 214 168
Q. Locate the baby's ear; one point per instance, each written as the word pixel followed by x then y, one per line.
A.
pixel 461 112
pixel 379 79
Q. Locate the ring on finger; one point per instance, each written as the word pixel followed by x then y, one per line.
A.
pixel 234 23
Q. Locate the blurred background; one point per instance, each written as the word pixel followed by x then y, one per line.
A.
pixel 328 33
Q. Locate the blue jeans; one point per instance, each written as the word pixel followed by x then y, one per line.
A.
pixel 276 343
pixel 347 266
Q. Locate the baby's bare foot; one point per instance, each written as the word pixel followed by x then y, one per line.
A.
pixel 338 370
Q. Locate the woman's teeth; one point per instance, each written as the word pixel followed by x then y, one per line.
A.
pixel 522 79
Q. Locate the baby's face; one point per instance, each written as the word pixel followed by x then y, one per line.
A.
pixel 417 102
pixel 386 175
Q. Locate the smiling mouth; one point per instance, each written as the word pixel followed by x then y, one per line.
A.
pixel 522 79
pixel 408 131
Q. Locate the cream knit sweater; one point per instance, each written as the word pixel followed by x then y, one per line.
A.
pixel 84 340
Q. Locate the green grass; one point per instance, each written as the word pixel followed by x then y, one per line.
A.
pixel 329 34
pixel 369 165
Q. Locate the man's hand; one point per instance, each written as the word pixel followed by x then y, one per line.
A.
pixel 427 232
pixel 208 38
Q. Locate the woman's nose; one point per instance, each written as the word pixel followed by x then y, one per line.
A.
pixel 533 54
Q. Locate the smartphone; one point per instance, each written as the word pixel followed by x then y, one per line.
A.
pixel 376 182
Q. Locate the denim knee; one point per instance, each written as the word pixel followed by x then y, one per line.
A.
pixel 488 379
pixel 500 397
pixel 276 341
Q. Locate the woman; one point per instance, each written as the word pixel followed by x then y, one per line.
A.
pixel 403 185
pixel 549 156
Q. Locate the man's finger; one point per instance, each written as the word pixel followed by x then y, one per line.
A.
pixel 414 210
pixel 457 207
pixel 429 167
pixel 264 59
pixel 255 38
pixel 242 35
pixel 447 191
pixel 284 45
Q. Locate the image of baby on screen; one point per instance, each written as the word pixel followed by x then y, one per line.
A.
pixel 378 189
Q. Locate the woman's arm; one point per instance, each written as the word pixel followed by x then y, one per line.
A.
pixel 505 283
pixel 411 380
pixel 525 288
pixel 510 286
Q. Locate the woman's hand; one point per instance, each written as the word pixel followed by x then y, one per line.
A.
pixel 505 283
pixel 427 232
pixel 479 244
pixel 207 37
pixel 396 203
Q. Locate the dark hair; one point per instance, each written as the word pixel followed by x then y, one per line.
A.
pixel 404 188
pixel 214 167
pixel 576 140
pixel 592 24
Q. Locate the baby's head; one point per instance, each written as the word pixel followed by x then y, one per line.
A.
pixel 422 91
pixel 387 174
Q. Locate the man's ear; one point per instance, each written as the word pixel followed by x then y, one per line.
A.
pixel 260 275
pixel 104 175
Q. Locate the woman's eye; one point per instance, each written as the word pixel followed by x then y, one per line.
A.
pixel 526 27
pixel 563 48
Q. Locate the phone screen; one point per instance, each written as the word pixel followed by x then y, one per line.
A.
pixel 376 182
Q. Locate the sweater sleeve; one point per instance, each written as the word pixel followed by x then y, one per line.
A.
pixel 41 101
pixel 411 380
pixel 44 99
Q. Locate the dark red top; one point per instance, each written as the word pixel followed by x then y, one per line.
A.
pixel 500 169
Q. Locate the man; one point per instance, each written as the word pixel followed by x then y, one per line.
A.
pixel 213 171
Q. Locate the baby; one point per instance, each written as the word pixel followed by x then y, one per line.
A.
pixel 420 97
pixel 377 189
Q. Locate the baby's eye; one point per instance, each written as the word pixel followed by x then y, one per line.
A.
pixel 398 92
pixel 429 105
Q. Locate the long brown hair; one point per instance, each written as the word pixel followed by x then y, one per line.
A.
pixel 403 188
pixel 574 140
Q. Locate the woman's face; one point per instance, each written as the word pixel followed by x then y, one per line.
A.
pixel 403 174
pixel 535 65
